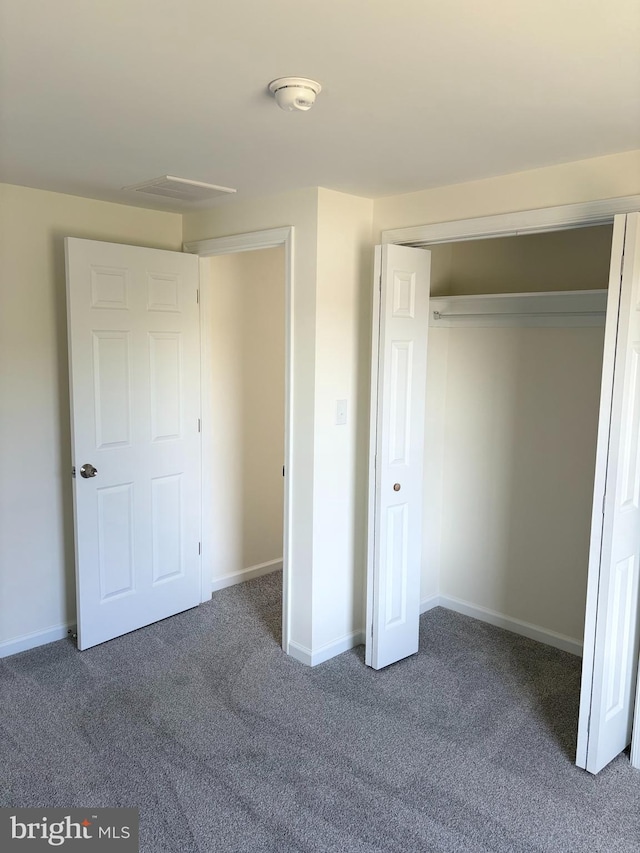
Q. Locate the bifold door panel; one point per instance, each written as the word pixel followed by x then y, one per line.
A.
pixel 610 662
pixel 401 321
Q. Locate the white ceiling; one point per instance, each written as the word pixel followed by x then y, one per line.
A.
pixel 99 94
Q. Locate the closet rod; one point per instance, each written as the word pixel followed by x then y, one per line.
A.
pixel 441 315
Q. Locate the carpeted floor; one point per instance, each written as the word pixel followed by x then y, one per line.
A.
pixel 226 745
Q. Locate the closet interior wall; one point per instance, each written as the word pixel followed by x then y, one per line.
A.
pixel 510 439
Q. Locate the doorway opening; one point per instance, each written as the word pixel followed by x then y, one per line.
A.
pixel 246 381
pixel 247 390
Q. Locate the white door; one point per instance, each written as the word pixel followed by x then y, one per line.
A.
pixel 134 361
pixel 610 659
pixel 399 365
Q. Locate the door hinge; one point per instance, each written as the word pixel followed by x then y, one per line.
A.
pixel 199 548
pixel 604 497
pixel 372 630
pixel 199 425
pixel 198 296
pixel 73 471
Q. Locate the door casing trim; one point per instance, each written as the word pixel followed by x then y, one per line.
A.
pixel 533 221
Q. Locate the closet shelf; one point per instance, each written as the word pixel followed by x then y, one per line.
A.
pixel 549 308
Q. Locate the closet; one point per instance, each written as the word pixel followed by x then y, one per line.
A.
pixel 514 367
pixel 505 453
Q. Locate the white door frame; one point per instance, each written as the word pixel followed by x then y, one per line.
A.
pixel 252 241
pixel 513 224
pixel 533 221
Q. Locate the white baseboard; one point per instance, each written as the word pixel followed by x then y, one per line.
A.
pixel 33 640
pixel 343 644
pixel 246 574
pixel 483 614
pixel 516 626
pixel 329 650
pixel 429 603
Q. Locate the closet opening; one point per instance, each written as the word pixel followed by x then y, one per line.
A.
pixel 244 365
pixel 504 470
pixel 514 368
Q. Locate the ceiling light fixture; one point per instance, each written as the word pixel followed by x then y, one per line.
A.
pixel 294 93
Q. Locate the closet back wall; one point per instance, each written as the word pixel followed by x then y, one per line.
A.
pixel 247 343
pixel 576 259
pixel 510 437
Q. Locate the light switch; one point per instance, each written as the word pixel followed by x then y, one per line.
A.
pixel 341 412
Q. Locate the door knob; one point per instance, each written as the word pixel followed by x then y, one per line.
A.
pixel 88 470
pixel 396 486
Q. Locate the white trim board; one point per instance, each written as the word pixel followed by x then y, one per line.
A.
pixel 252 241
pixel 554 308
pixel 248 242
pixel 508 623
pixel 247 574
pixel 35 639
pixel 599 212
pixel 329 650
pixel 429 603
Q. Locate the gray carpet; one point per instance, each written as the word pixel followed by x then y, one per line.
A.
pixel 227 745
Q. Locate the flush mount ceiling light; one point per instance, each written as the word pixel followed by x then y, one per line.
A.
pixel 294 93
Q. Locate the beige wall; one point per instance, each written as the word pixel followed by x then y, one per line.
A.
pixel 517 419
pixel 246 304
pixel 570 183
pixel 576 259
pixel 37 589
pixel 441 262
pixel 331 334
pixel 343 356
pixel 435 436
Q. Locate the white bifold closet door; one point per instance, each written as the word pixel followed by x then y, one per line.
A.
pixel 134 362
pixel 611 641
pixel 610 661
pixel 399 364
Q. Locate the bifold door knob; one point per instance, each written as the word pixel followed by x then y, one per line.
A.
pixel 396 486
pixel 88 471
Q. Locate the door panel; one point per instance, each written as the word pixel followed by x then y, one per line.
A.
pixel 134 357
pixel 611 627
pixel 112 388
pixel 401 303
